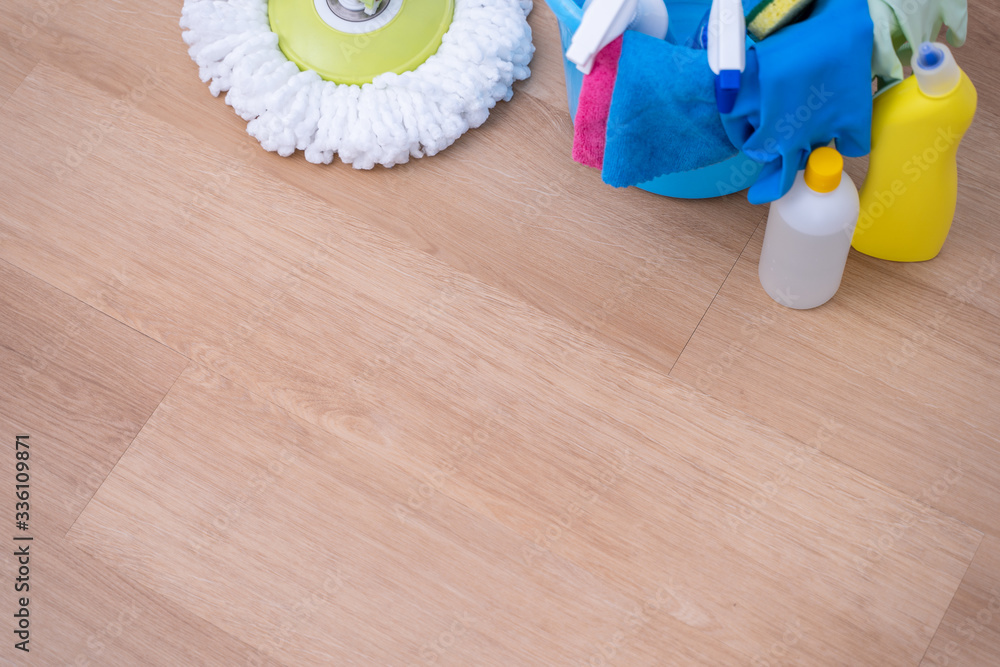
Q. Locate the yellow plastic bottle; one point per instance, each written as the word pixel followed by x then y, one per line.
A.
pixel 909 196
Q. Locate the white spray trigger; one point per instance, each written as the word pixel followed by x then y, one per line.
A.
pixel 727 36
pixel 604 20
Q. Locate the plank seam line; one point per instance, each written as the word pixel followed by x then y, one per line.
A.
pixel 3 107
pixel 125 451
pixel 717 292
pixel 937 629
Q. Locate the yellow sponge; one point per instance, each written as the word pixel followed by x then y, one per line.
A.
pixel 771 15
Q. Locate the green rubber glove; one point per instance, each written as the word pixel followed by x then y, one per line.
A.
pixel 901 24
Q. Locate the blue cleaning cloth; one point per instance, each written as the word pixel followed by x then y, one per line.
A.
pixel 663 118
pixel 804 86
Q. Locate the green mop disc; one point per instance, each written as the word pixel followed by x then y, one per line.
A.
pixel 346 45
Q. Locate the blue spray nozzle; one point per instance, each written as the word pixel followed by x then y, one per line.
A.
pixel 929 55
pixel 727 88
pixel 699 38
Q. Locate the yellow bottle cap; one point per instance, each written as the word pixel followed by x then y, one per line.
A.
pixel 824 169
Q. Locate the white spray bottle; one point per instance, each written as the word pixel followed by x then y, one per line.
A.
pixel 604 20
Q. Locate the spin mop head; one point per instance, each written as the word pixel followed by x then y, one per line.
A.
pixel 369 84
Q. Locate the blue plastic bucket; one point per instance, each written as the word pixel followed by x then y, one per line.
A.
pixel 732 175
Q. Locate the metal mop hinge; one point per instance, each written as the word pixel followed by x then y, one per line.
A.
pixel 354 10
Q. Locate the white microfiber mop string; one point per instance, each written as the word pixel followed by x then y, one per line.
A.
pixel 395 117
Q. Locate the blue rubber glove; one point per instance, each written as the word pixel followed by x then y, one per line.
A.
pixel 805 86
pixel 899 24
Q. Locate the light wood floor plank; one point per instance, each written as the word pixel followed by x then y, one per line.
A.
pixel 12 72
pixel 24 30
pixel 281 507
pixel 976 58
pixel 78 381
pixel 81 386
pixel 970 632
pixel 88 614
pixel 915 389
pixel 286 516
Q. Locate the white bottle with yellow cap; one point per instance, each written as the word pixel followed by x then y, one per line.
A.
pixel 808 234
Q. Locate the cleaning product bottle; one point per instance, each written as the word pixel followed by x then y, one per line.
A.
pixel 808 234
pixel 604 20
pixel 908 199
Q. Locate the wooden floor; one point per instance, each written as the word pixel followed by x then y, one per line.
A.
pixel 479 409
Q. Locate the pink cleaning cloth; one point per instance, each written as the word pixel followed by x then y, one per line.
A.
pixel 591 124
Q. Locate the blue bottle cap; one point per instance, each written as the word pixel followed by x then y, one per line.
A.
pixel 930 55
